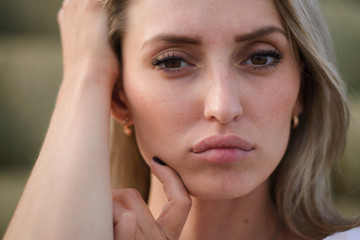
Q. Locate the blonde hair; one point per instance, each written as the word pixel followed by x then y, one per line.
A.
pixel 301 183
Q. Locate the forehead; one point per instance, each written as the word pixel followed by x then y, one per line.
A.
pixel 212 19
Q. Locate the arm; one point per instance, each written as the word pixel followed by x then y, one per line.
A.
pixel 68 195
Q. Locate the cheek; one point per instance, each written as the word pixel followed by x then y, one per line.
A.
pixel 159 115
pixel 284 98
pixel 275 107
pixel 275 97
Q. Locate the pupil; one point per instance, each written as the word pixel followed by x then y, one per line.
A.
pixel 259 60
pixel 172 63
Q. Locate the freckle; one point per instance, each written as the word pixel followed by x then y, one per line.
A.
pixel 246 221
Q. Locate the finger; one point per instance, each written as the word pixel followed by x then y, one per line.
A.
pixel 101 3
pixel 132 201
pixel 60 15
pixel 125 224
pixel 175 212
pixel 64 3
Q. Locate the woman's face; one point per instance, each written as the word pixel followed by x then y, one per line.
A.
pixel 211 87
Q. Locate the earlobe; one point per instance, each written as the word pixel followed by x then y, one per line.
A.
pixel 120 110
pixel 298 108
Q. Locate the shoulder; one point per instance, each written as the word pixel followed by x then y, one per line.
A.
pixel 352 234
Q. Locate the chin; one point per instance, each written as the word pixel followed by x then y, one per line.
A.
pixel 222 189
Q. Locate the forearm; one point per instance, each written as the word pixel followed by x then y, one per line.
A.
pixel 68 195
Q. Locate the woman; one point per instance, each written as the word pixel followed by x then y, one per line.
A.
pixel 236 106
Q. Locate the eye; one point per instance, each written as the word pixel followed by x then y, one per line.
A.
pixel 263 59
pixel 260 60
pixel 172 63
pixel 169 62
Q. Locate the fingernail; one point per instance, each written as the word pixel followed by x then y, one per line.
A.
pixel 158 161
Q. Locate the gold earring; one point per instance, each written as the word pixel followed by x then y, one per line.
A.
pixel 295 121
pixel 126 128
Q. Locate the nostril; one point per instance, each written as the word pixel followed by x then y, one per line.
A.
pixel 223 109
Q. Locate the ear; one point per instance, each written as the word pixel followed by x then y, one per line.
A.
pixel 120 110
pixel 299 104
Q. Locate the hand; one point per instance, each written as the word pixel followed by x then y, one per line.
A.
pixel 133 219
pixel 84 31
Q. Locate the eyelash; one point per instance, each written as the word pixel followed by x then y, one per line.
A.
pixel 275 54
pixel 161 59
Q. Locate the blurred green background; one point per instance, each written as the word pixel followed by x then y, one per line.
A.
pixel 30 75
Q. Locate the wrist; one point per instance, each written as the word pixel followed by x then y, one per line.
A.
pixel 88 79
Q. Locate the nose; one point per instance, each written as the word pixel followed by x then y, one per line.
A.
pixel 222 100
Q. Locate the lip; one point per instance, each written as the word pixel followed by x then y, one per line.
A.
pixel 222 148
pixel 221 141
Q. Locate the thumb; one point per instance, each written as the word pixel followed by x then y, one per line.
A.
pixel 174 214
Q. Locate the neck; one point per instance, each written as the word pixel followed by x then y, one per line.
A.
pixel 249 217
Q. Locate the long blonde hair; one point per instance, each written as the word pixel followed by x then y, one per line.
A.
pixel 301 183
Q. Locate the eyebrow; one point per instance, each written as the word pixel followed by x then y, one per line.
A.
pixel 180 39
pixel 259 33
pixel 173 39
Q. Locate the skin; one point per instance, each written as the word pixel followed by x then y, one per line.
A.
pixel 219 93
pixel 213 92
pixel 216 96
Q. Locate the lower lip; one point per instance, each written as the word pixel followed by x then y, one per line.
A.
pixel 223 155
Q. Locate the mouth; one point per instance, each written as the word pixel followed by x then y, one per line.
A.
pixel 222 149
pixel 222 142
